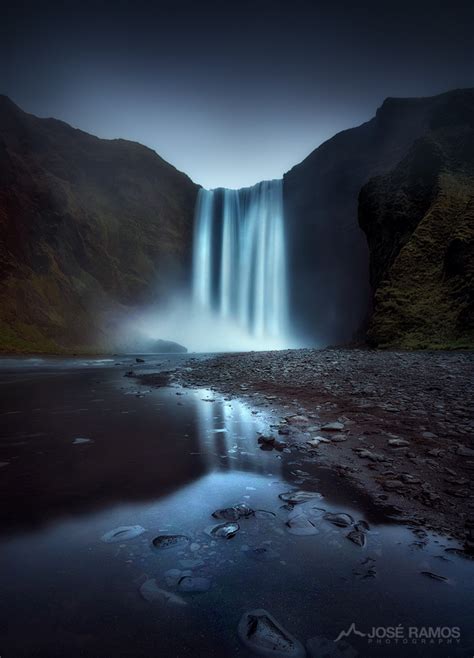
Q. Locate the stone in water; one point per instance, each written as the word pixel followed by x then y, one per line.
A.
pixel 300 524
pixel 340 519
pixel 260 632
pixel 194 584
pixel 169 541
pixel 299 496
pixel 122 533
pixel 357 537
pixel 154 594
pixel 224 530
pixel 336 426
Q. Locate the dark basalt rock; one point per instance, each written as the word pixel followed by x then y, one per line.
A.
pixel 167 347
pixel 299 496
pixel 224 530
pixel 261 633
pixel 340 519
pixel 163 542
pixel 301 524
pixel 234 513
pixel 357 537
pixel 228 514
pixel 122 533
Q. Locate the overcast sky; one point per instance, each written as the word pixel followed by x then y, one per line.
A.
pixel 230 93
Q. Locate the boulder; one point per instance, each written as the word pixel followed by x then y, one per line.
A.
pixel 167 347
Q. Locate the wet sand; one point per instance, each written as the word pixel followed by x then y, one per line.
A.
pixel 87 451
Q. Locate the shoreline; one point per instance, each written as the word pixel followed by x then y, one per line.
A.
pixel 362 347
pixel 403 422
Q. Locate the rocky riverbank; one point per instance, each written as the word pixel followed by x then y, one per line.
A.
pixel 398 425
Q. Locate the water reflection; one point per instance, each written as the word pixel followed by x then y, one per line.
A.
pixel 142 444
pixel 228 433
pixel 166 460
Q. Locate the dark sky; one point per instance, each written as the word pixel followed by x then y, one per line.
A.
pixel 229 92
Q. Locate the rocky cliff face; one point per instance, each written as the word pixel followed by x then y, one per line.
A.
pixel 419 222
pixel 89 230
pixel 329 251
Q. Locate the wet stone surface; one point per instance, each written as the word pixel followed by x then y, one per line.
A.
pixel 123 533
pixel 163 542
pixel 224 530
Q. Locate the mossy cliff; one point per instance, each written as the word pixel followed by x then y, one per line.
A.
pixel 90 229
pixel 419 222
pixel 328 251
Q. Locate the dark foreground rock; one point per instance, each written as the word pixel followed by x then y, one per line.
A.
pixel 399 425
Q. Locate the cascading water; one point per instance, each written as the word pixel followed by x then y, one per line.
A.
pixel 239 263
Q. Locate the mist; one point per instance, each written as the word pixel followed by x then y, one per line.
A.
pixel 198 329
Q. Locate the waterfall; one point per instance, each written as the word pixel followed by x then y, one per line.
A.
pixel 239 260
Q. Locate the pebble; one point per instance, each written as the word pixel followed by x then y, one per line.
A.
pixel 358 537
pixel 300 524
pixel 314 443
pixel 224 530
pixel 340 519
pixel 336 426
pixel 299 496
pixel 234 513
pixel 398 443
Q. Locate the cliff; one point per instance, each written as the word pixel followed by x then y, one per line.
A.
pixel 328 249
pixel 89 230
pixel 419 222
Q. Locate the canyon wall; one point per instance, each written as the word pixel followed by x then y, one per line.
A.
pixel 329 254
pixel 90 229
pixel 419 222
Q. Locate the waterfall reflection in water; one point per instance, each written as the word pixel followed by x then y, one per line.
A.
pixel 166 467
pixel 228 434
